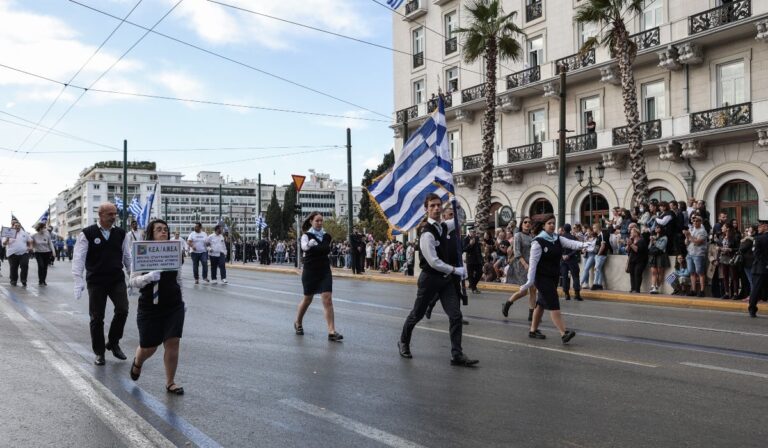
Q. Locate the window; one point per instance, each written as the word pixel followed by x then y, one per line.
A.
pixel 452 80
pixel 97 198
pixel 453 144
pixel 597 212
pixel 450 25
pixel 590 108
pixel 654 102
pixel 738 199
pixel 586 31
pixel 652 14
pixel 539 207
pixel 536 51
pixel 537 126
pixel 418 92
pixel 730 83
pixel 418 41
pixel 661 194
pixel 97 186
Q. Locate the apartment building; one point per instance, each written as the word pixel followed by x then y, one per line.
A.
pixel 702 86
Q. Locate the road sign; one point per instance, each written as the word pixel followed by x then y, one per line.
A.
pixel 298 181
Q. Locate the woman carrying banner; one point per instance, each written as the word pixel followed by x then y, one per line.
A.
pixel 160 315
pixel 316 276
pixel 544 272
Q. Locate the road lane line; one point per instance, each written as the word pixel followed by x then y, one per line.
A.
pixel 349 424
pixel 663 324
pixel 120 418
pixel 725 369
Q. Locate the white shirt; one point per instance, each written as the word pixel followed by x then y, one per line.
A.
pixel 216 242
pixel 427 245
pixel 198 240
pixel 135 235
pixel 536 256
pixel 81 251
pixel 18 245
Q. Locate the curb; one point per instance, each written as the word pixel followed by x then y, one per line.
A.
pixel 606 296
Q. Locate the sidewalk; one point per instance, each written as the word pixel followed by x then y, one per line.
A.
pixel 608 296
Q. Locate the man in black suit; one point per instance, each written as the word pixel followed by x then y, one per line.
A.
pixel 759 267
pixel 474 259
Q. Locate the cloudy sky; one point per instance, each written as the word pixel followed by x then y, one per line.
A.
pixel 49 133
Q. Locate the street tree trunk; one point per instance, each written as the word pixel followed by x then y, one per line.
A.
pixel 483 212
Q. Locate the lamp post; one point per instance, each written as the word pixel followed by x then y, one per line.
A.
pixel 590 183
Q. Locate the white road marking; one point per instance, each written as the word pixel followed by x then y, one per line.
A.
pixel 362 429
pixel 663 324
pixel 725 369
pixel 120 418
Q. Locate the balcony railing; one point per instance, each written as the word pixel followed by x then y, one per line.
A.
pixel 533 10
pixel 647 39
pixel 472 162
pixel 418 59
pixel 575 61
pixel 722 117
pixel 579 143
pixel 722 15
pixel 432 103
pixel 473 93
pixel 524 77
pixel 451 45
pixel 526 152
pixel 649 130
pixel 411 6
pixel 407 114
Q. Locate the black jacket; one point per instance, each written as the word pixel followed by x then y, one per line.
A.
pixel 760 250
pixel 473 250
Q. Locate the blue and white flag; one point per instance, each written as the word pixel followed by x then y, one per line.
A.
pixel 44 217
pixel 670 279
pixel 261 222
pixel 135 207
pixel 394 4
pixel 424 167
pixel 143 219
pixel 119 203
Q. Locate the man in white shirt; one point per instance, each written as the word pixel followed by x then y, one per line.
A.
pixel 197 242
pixel 17 249
pixel 218 254
pixel 135 234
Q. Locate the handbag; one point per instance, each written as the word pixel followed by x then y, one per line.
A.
pixel 737 259
pixel 725 260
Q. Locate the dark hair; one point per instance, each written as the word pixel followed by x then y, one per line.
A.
pixel 431 197
pixel 661 229
pixel 218 227
pixel 679 265
pixel 664 204
pixel 308 222
pixel 683 205
pixel 538 225
pixel 151 227
pixel 520 227
pixel 199 224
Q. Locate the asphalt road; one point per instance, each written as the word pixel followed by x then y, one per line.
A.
pixel 634 376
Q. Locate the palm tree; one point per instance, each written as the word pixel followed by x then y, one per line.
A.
pixel 608 14
pixel 490 36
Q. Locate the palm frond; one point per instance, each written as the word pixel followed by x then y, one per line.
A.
pixel 588 45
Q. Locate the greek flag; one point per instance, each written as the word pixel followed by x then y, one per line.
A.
pixel 44 217
pixel 261 222
pixel 671 278
pixel 143 218
pixel 135 208
pixel 394 4
pixel 424 167
pixel 119 203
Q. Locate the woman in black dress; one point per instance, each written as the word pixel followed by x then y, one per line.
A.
pixel 160 314
pixel 316 275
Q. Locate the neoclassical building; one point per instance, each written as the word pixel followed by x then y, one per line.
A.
pixel 702 87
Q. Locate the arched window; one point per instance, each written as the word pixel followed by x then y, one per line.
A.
pixel 661 194
pixel 738 199
pixel 540 207
pixel 600 209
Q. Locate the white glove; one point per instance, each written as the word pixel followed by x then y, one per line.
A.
pixel 154 276
pixel 79 288
pixel 312 243
pixel 461 272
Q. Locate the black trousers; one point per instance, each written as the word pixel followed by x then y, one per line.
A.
pixel 759 286
pixel 474 274
pixel 636 270
pixel 16 263
pixel 97 304
pixel 430 285
pixel 43 258
pixel 569 267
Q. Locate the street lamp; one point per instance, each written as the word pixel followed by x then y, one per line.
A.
pixel 590 183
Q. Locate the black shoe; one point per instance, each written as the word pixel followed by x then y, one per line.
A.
pixel 536 335
pixel 725 297
pixel 567 297
pixel 428 314
pixel 578 298
pixel 335 337
pixel 476 291
pixel 530 315
pixel 701 293
pixel 462 360
pixel 13 283
pixel 753 314
pixel 115 349
pixel 298 329
pixel 691 294
pixel 569 334
pixel 464 322
pixel 99 361
pixel 505 308
pixel 24 284
pixel 405 350
pixel 593 288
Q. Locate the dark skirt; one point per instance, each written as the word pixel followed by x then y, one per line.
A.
pixel 156 327
pixel 317 280
pixel 659 261
pixel 547 292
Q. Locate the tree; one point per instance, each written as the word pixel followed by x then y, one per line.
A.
pixel 608 14
pixel 336 227
pixel 490 36
pixel 234 232
pixel 274 217
pixel 289 213
pixel 378 227
pixel 367 212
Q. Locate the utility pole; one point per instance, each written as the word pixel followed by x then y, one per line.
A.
pixel 125 184
pixel 349 196
pixel 219 203
pixel 258 208
pixel 165 200
pixel 561 149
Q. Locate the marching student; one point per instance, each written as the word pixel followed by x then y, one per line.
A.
pixel 17 249
pixel 42 244
pixel 218 254
pixel 316 276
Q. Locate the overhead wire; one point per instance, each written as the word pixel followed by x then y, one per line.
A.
pixel 55 132
pixel 330 148
pixel 156 150
pixel 235 61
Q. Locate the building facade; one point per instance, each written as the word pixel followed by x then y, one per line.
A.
pixel 702 87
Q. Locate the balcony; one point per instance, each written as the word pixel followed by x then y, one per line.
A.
pixel 581 143
pixel 418 59
pixel 722 15
pixel 432 103
pixel 414 9
pixel 722 117
pixel 533 10
pixel 575 62
pixel 649 130
pixel 472 162
pixel 473 93
pixel 523 77
pixel 451 45
pixel 522 153
pixel 407 114
pixel 647 39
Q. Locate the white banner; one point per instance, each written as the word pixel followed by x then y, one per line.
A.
pixel 7 232
pixel 156 256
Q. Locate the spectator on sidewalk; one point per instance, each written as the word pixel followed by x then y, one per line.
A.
pixel 659 259
pixel 601 257
pixel 682 283
pixel 637 260
pixel 474 259
pixel 570 265
pixel 747 256
pixel 727 249
pixel 696 243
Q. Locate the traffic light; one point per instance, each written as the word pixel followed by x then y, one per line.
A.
pixel 297 209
